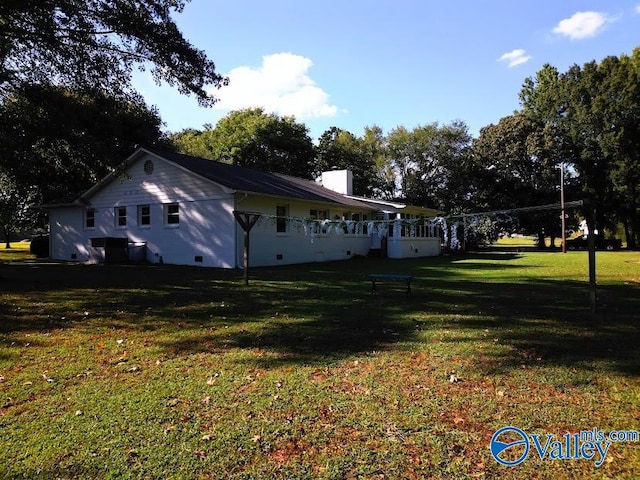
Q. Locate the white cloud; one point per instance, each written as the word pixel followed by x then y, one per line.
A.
pixel 280 85
pixel 638 9
pixel 582 25
pixel 515 57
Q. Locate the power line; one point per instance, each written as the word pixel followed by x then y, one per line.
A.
pixel 551 206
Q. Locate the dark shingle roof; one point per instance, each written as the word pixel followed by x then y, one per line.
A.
pixel 254 181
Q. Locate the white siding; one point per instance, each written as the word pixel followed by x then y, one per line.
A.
pixel 167 183
pixel 413 247
pixel 268 247
pixel 205 235
pixel 67 235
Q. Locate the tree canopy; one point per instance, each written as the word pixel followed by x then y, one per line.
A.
pixel 426 160
pixel 594 113
pixel 252 138
pixel 517 166
pixel 94 45
pixel 62 141
pixel 68 111
pixel 17 206
pixel 339 149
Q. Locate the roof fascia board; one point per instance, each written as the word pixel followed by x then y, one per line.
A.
pixel 51 206
pixel 397 207
pixel 377 202
pixel 304 200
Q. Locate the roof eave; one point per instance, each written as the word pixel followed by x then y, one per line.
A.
pixel 306 200
pixel 51 206
pixel 394 207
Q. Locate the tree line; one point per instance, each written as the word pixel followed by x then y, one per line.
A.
pixel 585 120
pixel 69 116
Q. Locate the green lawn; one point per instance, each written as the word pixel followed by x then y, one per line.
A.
pixel 518 241
pixel 177 372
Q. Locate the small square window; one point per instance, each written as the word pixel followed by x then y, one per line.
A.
pixel 121 216
pixel 144 215
pixel 90 218
pixel 172 214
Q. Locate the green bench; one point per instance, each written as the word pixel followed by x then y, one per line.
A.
pixel 376 277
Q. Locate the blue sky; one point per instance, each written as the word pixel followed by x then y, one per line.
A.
pixel 351 63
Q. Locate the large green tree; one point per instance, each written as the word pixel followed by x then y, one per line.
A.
pixel 192 141
pixel 518 168
pixel 61 142
pixel 255 139
pixel 619 140
pixel 95 44
pixel 375 148
pixel 68 111
pixel 17 206
pixel 594 114
pixel 340 149
pixel 401 156
pixel 426 160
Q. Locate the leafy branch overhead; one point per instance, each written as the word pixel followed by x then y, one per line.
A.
pixel 96 44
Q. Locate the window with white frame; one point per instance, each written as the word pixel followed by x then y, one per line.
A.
pixel 144 215
pixel 90 218
pixel 315 214
pixel 172 214
pixel 282 223
pixel 121 217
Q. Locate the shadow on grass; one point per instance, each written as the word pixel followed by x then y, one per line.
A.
pixel 324 312
pixel 546 321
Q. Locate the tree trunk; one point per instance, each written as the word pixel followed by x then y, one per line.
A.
pixel 633 236
pixel 7 237
pixel 541 244
pixel 628 234
pixel 635 228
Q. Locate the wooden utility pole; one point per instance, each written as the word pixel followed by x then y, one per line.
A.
pixel 591 243
pixel 246 220
pixel 562 223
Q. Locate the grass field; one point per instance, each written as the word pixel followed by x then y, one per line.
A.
pixel 177 372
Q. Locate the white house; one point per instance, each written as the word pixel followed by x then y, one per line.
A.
pixel 169 208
